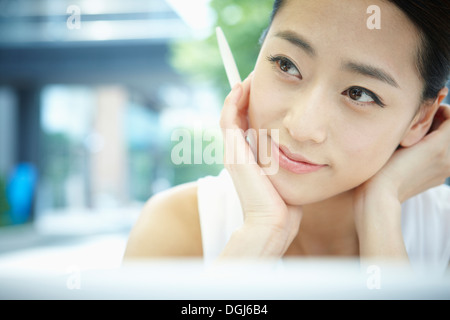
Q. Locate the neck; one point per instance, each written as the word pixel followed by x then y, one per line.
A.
pixel 327 228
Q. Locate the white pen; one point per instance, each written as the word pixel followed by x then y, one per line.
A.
pixel 227 58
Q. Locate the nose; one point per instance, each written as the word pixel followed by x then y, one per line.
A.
pixel 307 117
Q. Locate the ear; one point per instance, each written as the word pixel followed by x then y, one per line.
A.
pixel 422 121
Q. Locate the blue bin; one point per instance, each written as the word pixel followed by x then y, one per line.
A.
pixel 20 192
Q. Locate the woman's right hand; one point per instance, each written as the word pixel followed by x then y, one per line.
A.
pixel 270 224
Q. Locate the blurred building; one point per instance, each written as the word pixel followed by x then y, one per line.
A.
pixel 82 86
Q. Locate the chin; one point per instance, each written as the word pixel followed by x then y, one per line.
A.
pixel 297 192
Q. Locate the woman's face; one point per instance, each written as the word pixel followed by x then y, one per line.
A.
pixel 341 95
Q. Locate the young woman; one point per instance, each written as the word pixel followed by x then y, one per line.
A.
pixel 363 144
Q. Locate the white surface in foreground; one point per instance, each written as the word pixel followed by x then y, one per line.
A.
pixel 189 279
pixel 91 268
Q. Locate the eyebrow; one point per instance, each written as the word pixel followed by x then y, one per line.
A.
pixel 360 68
pixel 297 40
pixel 371 71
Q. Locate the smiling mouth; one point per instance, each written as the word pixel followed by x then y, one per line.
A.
pixel 293 162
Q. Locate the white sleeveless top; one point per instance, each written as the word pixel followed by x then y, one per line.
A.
pixel 425 222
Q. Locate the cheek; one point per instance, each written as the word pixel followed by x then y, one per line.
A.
pixel 364 150
pixel 356 156
pixel 266 101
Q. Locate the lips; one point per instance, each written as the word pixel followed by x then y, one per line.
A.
pixel 294 162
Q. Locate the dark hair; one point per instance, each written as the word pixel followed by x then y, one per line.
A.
pixel 432 19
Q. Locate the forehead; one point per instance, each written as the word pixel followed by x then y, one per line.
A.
pixel 338 31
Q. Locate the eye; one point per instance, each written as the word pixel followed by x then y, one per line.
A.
pixel 363 96
pixel 360 95
pixel 285 65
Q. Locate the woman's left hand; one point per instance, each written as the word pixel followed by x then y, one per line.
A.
pixel 422 166
pixel 410 171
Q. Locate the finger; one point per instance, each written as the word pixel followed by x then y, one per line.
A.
pixel 234 117
pixel 234 127
pixel 254 189
pixel 441 117
pixel 243 103
pixel 445 114
pixel 440 128
pixel 234 112
pixel 229 111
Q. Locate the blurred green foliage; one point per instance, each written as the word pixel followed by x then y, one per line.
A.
pixel 242 22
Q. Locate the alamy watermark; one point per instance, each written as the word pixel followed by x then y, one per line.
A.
pixel 74 20
pixel 73 281
pixel 374 20
pixel 213 146
pixel 373 281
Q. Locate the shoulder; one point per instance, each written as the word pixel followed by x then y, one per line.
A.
pixel 168 225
